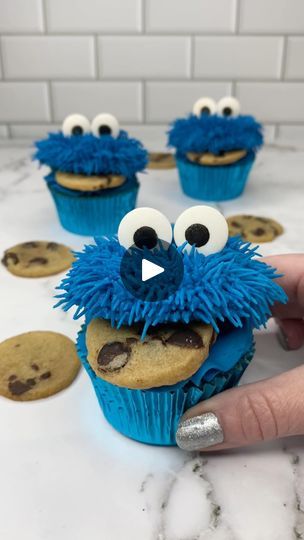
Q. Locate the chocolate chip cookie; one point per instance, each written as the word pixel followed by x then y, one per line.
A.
pixel 225 158
pixel 37 259
pixel 36 365
pixel 253 228
pixel 161 160
pixel 80 182
pixel 169 353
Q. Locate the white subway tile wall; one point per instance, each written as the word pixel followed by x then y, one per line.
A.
pixel 147 61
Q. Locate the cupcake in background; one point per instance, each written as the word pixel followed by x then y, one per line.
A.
pixel 93 172
pixel 153 346
pixel 215 149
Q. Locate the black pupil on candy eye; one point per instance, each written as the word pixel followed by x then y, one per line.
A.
pixel 227 111
pixel 145 236
pixel 77 130
pixel 205 110
pixel 104 130
pixel 197 234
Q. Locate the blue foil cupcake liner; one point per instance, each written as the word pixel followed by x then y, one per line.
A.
pixel 214 183
pixel 93 214
pixel 151 416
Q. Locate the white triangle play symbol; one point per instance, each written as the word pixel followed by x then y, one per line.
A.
pixel 150 270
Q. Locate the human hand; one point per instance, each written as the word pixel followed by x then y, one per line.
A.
pixel 260 411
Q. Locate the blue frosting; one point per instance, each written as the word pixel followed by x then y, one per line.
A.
pixel 231 285
pixel 90 155
pixel 215 134
pixel 228 349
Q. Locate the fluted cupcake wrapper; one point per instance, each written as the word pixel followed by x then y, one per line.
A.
pixel 214 183
pixel 96 215
pixel 151 416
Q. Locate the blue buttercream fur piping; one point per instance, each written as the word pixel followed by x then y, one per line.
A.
pixel 231 285
pixel 90 155
pixel 215 134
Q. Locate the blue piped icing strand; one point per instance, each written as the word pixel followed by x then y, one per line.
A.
pixel 90 155
pixel 215 134
pixel 227 286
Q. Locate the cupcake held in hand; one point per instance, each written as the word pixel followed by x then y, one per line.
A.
pixel 93 173
pixel 215 149
pixel 154 345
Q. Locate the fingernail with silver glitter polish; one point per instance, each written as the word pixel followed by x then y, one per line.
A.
pixel 199 432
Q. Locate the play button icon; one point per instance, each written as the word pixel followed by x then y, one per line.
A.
pixel 152 275
pixel 149 270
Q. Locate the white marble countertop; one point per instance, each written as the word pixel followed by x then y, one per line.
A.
pixel 65 473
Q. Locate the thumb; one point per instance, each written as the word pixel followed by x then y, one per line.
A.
pixel 256 412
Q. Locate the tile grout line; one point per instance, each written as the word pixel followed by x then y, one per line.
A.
pixel 282 73
pixel 192 57
pixel 2 61
pixel 143 97
pixel 156 79
pixel 143 88
pixel 237 17
pixel 8 124
pixel 143 17
pixel 97 57
pixel 44 18
pixel 114 34
pixel 48 83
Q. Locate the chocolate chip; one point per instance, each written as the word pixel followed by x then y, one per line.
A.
pixel 52 246
pixel 10 256
pixel 38 260
pixel 159 338
pixel 12 377
pixel 35 367
pixel 157 158
pixel 258 232
pixel 131 340
pixel 186 338
pixel 236 224
pixel 17 388
pixel 31 382
pixel 29 245
pixel 113 356
pixel 45 375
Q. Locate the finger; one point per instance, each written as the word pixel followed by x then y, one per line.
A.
pixel 292 268
pixel 291 333
pixel 246 415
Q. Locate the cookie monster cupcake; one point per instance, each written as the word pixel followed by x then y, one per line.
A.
pixel 93 173
pixel 153 354
pixel 215 149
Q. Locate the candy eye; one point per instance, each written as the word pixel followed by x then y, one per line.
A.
pixel 75 124
pixel 203 227
pixel 144 227
pixel 105 124
pixel 204 106
pixel 228 106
